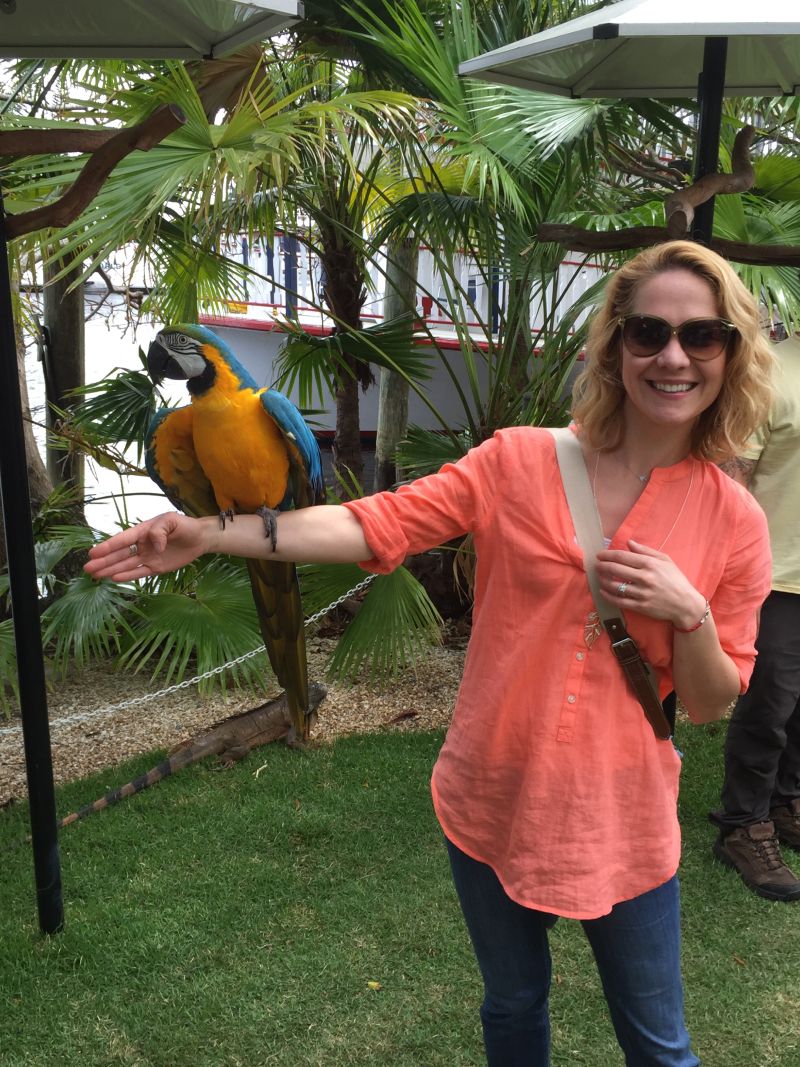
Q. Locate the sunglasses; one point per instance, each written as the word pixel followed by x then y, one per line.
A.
pixel 647 335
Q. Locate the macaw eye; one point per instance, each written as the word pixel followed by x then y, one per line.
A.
pixel 183 339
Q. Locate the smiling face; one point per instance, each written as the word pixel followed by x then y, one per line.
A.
pixel 669 390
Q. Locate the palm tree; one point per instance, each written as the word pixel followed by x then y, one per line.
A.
pixel 491 164
pixel 203 182
pixel 476 169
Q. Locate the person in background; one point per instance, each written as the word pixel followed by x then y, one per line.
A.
pixel 555 796
pixel 761 791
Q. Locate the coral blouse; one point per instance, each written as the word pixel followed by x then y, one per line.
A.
pixel 550 772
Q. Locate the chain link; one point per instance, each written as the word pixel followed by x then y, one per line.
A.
pixel 148 698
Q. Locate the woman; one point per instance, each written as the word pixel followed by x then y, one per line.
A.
pixel 554 794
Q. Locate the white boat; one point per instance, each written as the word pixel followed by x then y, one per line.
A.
pixel 255 326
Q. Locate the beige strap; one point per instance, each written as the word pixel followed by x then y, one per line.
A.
pixel 589 533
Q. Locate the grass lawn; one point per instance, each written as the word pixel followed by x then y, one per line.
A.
pixel 306 917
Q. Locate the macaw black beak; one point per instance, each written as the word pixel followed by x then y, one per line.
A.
pixel 162 364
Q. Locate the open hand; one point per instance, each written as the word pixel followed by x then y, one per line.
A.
pixel 157 546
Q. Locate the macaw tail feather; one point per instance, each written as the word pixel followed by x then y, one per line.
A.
pixel 276 592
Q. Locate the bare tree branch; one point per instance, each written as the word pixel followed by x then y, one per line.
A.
pixel 163 121
pixel 643 167
pixel 580 240
pixel 679 208
pixel 41 142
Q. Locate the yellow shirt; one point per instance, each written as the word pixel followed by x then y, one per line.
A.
pixel 775 482
pixel 551 773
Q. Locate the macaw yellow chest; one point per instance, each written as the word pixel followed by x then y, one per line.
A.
pixel 241 450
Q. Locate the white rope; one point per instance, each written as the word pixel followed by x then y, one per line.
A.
pixel 148 698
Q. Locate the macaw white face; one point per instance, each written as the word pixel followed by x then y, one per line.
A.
pixel 181 348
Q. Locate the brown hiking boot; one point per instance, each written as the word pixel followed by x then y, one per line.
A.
pixel 787 824
pixel 754 853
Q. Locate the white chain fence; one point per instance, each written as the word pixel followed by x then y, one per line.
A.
pixel 148 698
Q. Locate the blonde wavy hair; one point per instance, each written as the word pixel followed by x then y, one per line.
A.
pixel 743 403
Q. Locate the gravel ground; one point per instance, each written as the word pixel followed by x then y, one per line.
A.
pixel 421 698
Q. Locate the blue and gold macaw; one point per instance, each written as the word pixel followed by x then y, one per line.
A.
pixel 239 449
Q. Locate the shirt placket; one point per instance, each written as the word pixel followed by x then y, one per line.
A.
pixel 570 703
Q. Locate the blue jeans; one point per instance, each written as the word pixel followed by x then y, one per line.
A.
pixel 637 950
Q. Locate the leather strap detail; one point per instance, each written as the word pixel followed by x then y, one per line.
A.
pixel 639 676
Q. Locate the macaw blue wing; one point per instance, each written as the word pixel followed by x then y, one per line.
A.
pixel 305 462
pixel 219 454
pixel 172 463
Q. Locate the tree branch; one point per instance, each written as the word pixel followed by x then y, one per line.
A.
pixel 580 240
pixel 41 142
pixel 644 167
pixel 679 208
pixel 163 121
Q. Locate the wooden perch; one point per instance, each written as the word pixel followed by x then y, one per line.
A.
pixel 580 240
pixel 163 121
pixel 41 142
pixel 679 208
pixel 652 170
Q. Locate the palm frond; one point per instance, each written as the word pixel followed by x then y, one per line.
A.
pixel 192 274
pixel 396 626
pixel 47 556
pixel 754 220
pixel 87 622
pixel 777 177
pixel 76 538
pixel 649 213
pixel 426 451
pixel 55 516
pixel 389 344
pixel 312 364
pixel 452 224
pixel 323 583
pixel 118 409
pixel 537 125
pixel 215 625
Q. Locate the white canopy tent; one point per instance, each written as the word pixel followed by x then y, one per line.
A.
pixel 122 29
pixel 661 48
pixel 655 48
pixel 138 29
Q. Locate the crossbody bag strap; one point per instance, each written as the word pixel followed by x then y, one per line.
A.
pixel 589 533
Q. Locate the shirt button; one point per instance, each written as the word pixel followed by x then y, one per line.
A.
pixel 571 698
pixel 578 655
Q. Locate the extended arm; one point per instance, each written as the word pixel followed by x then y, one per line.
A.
pixel 323 534
pixel 419 515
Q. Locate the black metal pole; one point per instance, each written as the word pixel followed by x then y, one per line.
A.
pixel 710 90
pixel 24 602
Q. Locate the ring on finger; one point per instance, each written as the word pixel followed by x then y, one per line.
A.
pixel 133 549
pixel 622 588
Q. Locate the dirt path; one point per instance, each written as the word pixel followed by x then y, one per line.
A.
pixel 419 699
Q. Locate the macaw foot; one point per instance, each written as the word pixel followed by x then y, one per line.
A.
pixel 292 740
pixel 270 519
pixel 225 516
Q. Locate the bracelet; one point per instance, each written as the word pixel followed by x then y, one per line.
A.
pixel 697 625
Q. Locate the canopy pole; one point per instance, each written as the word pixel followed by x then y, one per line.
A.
pixel 24 600
pixel 710 89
